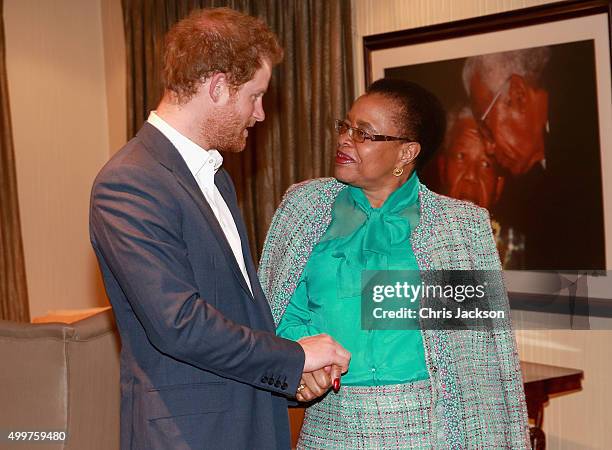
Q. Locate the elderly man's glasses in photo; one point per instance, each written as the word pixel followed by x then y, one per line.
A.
pixel 358 135
pixel 484 129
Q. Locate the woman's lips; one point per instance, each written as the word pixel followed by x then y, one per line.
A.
pixel 343 158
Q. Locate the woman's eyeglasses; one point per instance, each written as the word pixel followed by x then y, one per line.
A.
pixel 358 135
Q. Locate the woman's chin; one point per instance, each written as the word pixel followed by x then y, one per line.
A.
pixel 344 172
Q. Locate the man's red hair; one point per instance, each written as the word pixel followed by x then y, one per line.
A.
pixel 216 40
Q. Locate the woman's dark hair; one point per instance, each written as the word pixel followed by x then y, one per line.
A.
pixel 419 113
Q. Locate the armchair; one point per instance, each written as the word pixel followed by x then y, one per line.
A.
pixel 61 377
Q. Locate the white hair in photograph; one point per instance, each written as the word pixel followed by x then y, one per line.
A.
pixel 496 68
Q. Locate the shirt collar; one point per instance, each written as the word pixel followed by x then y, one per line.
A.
pixel 195 156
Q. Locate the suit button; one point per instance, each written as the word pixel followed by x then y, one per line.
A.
pixel 264 379
pixel 277 384
pixel 271 381
pixel 284 386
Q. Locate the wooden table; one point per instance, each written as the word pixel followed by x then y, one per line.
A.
pixel 541 381
pixel 68 315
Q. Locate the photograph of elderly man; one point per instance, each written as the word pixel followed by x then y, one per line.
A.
pixel 538 124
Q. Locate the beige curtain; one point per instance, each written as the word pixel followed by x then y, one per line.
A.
pixel 310 88
pixel 13 288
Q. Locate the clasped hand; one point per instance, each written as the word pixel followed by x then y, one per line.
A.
pixel 325 360
pixel 317 383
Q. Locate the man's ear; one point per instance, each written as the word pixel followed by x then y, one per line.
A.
pixel 518 92
pixel 218 87
pixel 409 152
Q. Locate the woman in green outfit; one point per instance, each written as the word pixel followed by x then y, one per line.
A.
pixel 410 388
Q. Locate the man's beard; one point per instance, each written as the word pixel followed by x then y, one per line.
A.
pixel 224 131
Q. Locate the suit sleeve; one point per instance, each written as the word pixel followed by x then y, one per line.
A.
pixel 135 229
pixel 505 343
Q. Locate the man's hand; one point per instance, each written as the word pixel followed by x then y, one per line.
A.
pixel 321 351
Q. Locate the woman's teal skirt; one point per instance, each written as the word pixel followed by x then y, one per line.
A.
pixel 373 417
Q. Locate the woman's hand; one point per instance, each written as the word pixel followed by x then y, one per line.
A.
pixel 317 383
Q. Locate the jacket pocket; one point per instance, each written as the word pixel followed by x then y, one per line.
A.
pixel 185 399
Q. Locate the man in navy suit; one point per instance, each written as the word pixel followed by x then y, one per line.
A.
pixel 201 366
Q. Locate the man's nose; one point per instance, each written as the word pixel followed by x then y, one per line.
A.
pixel 471 173
pixel 259 113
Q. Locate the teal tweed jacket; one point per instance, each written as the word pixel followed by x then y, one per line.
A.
pixel 476 380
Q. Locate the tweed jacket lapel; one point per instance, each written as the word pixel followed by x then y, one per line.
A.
pixel 295 229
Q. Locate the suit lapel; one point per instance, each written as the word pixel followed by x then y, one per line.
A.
pixel 223 183
pixel 163 150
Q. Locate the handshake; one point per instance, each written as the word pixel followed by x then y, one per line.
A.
pixel 325 362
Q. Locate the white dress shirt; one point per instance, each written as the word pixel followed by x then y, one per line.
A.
pixel 203 164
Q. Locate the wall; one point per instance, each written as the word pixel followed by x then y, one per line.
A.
pixel 114 65
pixel 578 421
pixel 58 98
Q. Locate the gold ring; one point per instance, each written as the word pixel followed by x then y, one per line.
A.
pixel 301 387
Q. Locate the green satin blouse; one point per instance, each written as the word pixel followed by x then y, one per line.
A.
pixel 328 298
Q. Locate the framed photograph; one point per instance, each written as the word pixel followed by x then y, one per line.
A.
pixel 529 128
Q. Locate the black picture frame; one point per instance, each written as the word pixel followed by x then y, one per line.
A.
pixel 484 24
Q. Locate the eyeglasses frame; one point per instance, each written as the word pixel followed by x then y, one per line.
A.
pixel 372 137
pixel 484 129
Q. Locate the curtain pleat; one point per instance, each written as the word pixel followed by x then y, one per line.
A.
pixel 309 89
pixel 13 286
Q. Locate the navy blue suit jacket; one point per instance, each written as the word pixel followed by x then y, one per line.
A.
pixel 201 366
